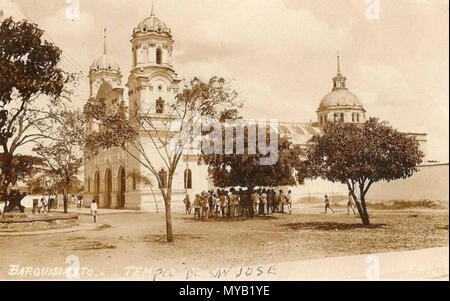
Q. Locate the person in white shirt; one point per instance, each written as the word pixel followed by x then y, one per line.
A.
pixel 94 209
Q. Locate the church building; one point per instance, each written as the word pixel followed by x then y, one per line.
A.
pixel 111 177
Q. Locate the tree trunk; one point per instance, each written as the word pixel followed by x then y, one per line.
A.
pixel 65 201
pixel 364 215
pixel 169 229
pixel 366 221
pixel 167 203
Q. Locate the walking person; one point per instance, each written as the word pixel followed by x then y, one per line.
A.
pixel 94 209
pixel 350 204
pixel 327 205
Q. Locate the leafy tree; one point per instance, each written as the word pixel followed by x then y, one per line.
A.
pixel 142 131
pixel 28 70
pixel 246 170
pixel 61 153
pixel 361 155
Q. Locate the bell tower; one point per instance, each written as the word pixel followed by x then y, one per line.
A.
pixel 153 82
pixel 103 69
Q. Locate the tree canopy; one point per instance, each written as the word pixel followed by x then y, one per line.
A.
pixel 28 70
pixel 361 155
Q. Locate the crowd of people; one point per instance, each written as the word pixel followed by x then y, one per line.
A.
pixel 236 203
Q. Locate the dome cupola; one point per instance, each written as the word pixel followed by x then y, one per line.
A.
pixel 152 25
pixel 106 62
pixel 104 69
pixel 340 104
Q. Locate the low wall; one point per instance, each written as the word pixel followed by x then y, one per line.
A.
pixel 12 222
pixel 429 183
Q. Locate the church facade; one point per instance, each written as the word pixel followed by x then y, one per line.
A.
pixel 111 177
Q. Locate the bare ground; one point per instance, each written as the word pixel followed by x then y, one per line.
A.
pixel 137 239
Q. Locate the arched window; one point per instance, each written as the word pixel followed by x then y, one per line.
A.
pixel 357 117
pixel 342 117
pixel 160 106
pixel 187 179
pixel 159 56
pixel 335 117
pixel 163 177
pixel 353 117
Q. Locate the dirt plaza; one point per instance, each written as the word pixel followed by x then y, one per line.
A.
pixel 132 244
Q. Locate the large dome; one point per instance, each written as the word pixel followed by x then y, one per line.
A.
pixel 341 97
pixel 105 63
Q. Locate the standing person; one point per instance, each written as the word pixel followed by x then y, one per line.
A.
pixel 350 204
pixel 231 204
pixel 80 201
pixel 276 202
pixel 263 202
pixel 223 203
pixel 282 201
pixel 42 208
pixel 211 203
pixel 235 204
pixel 269 201
pixel 289 201
pixel 187 204
pixel 205 205
pixel 255 200
pixel 217 198
pixel 228 196
pixel 94 209
pixel 327 204
pixel 197 206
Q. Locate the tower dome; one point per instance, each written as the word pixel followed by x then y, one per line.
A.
pixel 104 69
pixel 105 63
pixel 153 25
pixel 340 104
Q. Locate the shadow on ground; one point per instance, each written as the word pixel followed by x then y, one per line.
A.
pixel 163 239
pixel 327 226
pixel 229 219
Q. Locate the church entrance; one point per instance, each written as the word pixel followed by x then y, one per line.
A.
pixel 122 187
pixel 108 188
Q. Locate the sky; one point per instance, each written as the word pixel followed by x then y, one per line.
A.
pixel 281 54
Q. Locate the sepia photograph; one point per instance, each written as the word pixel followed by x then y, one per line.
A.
pixel 224 141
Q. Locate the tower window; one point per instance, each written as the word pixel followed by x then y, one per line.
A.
pixel 159 56
pixel 357 117
pixel 335 117
pixel 342 117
